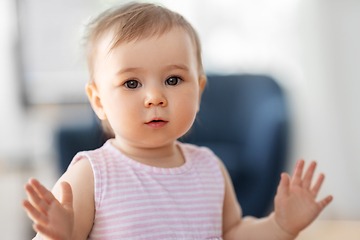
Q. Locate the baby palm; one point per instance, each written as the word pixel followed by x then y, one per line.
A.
pixel 295 201
pixel 52 219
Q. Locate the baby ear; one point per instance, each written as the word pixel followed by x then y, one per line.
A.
pixel 202 84
pixel 93 95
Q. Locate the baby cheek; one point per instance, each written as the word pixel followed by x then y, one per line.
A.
pixel 186 111
pixel 121 112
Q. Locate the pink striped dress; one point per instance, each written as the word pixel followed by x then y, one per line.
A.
pixel 137 201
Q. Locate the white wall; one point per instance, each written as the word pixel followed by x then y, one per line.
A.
pixel 12 130
pixel 11 112
pixel 329 130
pixel 343 36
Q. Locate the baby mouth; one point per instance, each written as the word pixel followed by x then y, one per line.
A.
pixel 157 123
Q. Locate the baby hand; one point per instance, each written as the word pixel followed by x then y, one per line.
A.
pixel 52 219
pixel 295 205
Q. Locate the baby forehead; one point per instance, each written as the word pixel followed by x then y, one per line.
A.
pixel 173 46
pixel 175 37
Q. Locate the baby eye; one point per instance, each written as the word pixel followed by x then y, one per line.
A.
pixel 132 84
pixel 173 81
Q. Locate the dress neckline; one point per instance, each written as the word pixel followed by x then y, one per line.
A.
pixel 141 166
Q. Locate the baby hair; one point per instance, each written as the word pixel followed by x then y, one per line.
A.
pixel 134 22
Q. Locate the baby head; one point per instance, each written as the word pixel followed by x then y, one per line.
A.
pixel 146 73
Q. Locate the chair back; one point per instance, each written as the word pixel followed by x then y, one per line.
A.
pixel 244 120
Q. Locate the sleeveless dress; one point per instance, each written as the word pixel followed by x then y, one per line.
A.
pixel 138 201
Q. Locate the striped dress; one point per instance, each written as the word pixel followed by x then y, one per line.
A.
pixel 137 201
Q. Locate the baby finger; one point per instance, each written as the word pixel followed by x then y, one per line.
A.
pixel 33 213
pixel 35 199
pixel 315 189
pixel 43 191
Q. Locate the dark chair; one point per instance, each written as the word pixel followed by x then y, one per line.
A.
pixel 72 139
pixel 243 119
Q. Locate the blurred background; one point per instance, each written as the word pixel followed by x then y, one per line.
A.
pixel 311 47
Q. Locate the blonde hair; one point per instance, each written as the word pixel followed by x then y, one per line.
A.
pixel 133 22
pixel 136 21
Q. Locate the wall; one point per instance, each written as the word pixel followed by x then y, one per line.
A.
pixel 329 130
pixel 11 111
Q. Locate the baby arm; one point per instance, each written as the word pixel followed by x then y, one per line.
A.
pixel 295 208
pixel 69 218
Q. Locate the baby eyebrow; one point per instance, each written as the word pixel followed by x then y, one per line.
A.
pixel 177 66
pixel 137 69
pixel 127 70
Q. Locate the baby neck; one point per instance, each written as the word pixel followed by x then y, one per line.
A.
pixel 166 156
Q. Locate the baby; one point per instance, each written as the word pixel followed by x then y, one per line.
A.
pixel 146 83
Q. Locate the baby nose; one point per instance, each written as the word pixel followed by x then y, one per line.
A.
pixel 155 97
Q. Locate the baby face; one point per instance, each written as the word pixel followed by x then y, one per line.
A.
pixel 149 90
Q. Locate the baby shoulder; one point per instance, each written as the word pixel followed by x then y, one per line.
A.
pixel 80 176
